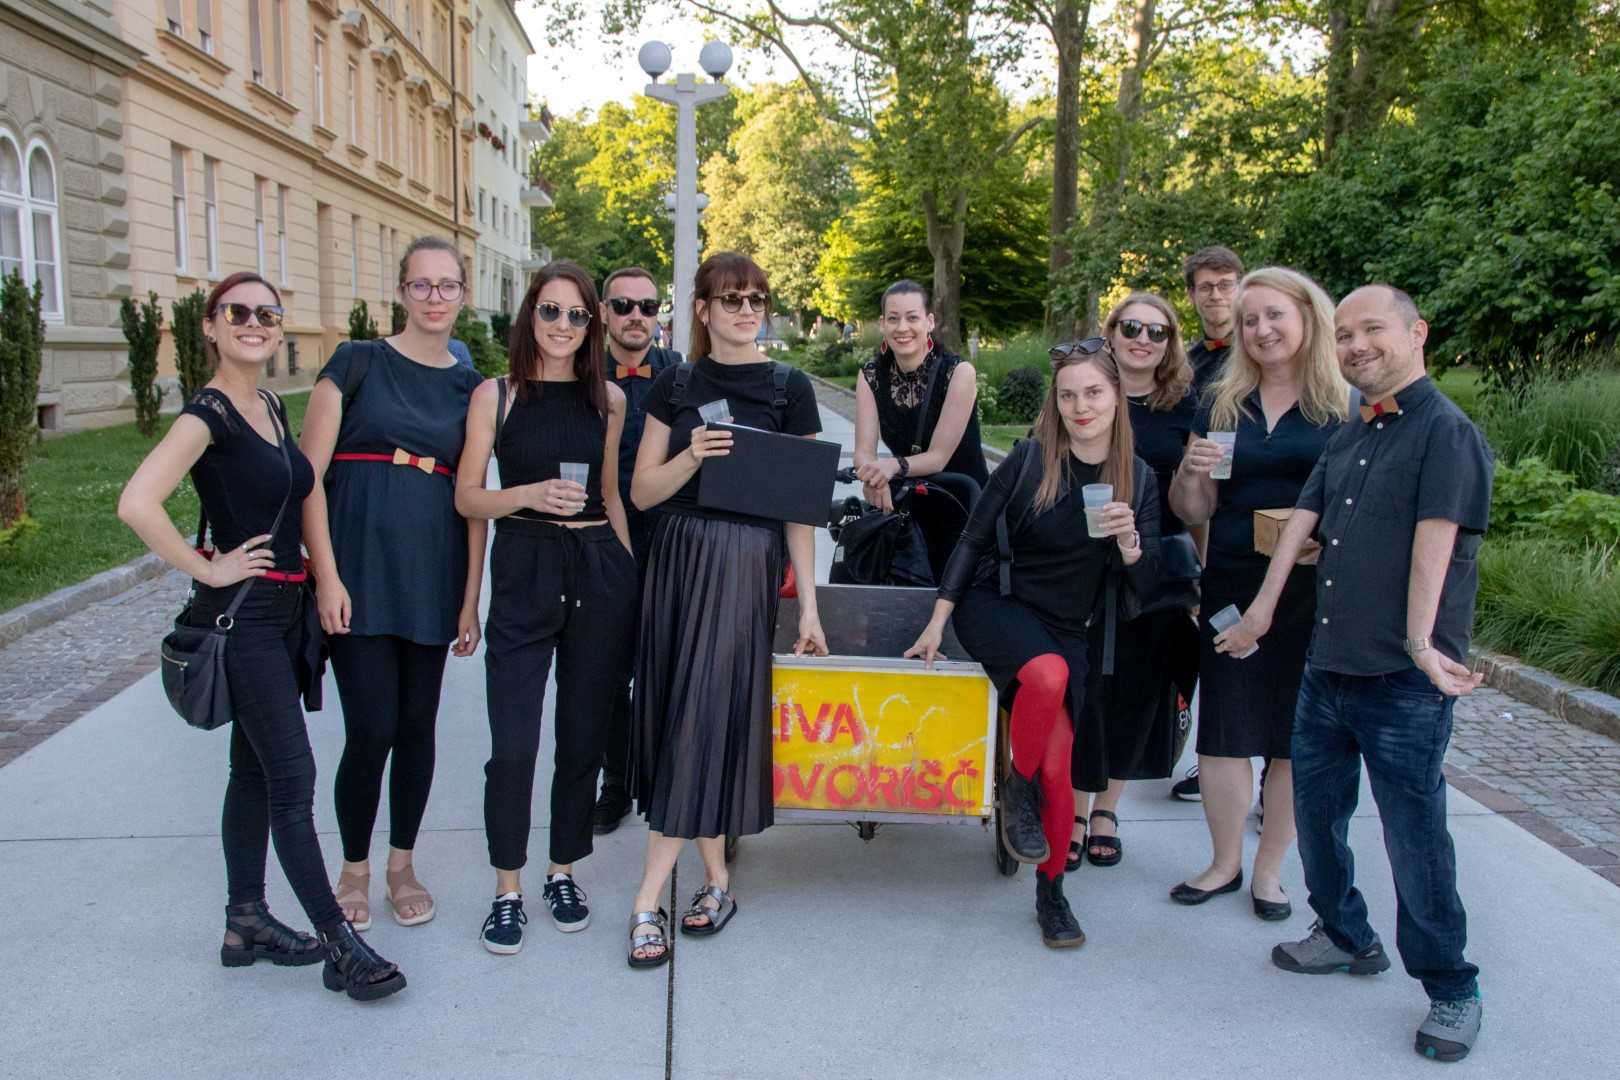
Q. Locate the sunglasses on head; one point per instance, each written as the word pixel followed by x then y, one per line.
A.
pixel 238 314
pixel 622 305
pixel 579 318
pixel 420 289
pixel 1132 329
pixel 733 302
pixel 1083 347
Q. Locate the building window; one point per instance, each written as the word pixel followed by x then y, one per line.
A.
pixel 278 34
pixel 393 126
pixel 480 206
pixel 281 232
pixel 354 256
pixel 205 26
pixel 173 18
pixel 320 80
pixel 29 221
pixel 382 261
pixel 380 149
pixel 211 215
pixel 260 240
pixel 182 245
pixel 255 40
pixel 354 104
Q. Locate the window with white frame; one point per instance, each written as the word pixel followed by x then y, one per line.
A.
pixel 320 79
pixel 182 242
pixel 173 19
pixel 205 26
pixel 480 206
pixel 211 214
pixel 281 232
pixel 382 261
pixel 260 240
pixel 29 220
pixel 278 35
pixel 354 103
pixel 255 40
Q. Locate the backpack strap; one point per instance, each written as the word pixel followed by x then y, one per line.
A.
pixel 1019 496
pixel 500 412
pixel 683 375
pixel 779 380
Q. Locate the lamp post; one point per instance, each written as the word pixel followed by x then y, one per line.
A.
pixel 686 94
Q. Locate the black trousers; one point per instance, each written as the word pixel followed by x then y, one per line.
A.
pixel 390 692
pixel 271 791
pixel 616 748
pixel 570 592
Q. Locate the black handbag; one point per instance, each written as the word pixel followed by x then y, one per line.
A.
pixel 1179 574
pixel 193 657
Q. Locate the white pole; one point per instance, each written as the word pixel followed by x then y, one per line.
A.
pixel 686 95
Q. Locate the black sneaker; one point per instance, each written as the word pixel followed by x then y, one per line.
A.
pixel 567 902
pixel 503 930
pixel 1187 789
pixel 611 807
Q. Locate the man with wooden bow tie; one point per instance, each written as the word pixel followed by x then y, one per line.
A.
pixel 629 312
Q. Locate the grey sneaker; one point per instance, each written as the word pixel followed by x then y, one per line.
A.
pixel 1318 955
pixel 1450 1030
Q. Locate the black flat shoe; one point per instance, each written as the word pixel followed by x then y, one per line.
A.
pixel 1186 894
pixel 610 809
pixel 261 936
pixel 1271 911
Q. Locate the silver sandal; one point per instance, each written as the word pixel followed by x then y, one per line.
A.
pixel 646 939
pixel 717 916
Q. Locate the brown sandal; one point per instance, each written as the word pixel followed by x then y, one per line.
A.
pixel 354 893
pixel 405 891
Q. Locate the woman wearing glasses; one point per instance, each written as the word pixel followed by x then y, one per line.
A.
pixel 397 570
pixel 700 761
pixel 232 439
pixel 562 582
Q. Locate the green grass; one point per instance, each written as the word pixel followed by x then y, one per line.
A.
pixel 1002 436
pixel 73 483
pixel 1552 606
pixel 1462 385
pixel 1571 424
pixel 996 358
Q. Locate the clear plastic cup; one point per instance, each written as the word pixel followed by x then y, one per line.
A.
pixel 1096 496
pixel 1228 444
pixel 1226 618
pixel 716 412
pixel 575 471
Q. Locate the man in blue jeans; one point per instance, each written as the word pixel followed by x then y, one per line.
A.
pixel 1399 501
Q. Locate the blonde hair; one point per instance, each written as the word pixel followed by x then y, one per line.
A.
pixel 1052 438
pixel 1323 393
pixel 1174 374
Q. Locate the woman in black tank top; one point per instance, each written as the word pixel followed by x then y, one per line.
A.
pixel 563 581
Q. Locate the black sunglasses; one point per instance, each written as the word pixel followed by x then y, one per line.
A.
pixel 1132 328
pixel 733 302
pixel 623 305
pixel 1083 347
pixel 579 318
pixel 238 314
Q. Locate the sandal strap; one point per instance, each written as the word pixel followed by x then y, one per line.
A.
pixel 642 939
pixel 724 902
pixel 1109 814
pixel 403 888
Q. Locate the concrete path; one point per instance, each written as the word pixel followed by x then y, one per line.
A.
pixel 905 957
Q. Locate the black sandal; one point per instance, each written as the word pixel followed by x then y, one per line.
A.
pixel 646 940
pixel 1113 848
pixel 1077 851
pixel 355 968
pixel 261 936
pixel 718 916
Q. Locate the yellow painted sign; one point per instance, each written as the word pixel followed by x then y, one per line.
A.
pixel 907 741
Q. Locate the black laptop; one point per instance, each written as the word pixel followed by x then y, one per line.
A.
pixel 770 475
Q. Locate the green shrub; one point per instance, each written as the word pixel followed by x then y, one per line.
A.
pixel 986 397
pixel 191 361
pixel 362 327
pixel 1583 517
pixel 1022 350
pixel 500 327
pixel 488 357
pixel 396 317
pixel 1572 424
pixel 1609 475
pixel 1522 491
pixel 830 358
pixel 143 329
pixel 22 344
pixel 868 337
pixel 1554 606
pixel 1019 395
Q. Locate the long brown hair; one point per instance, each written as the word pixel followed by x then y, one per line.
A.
pixel 721 272
pixel 525 348
pixel 1052 437
pixel 1323 393
pixel 211 305
pixel 1174 374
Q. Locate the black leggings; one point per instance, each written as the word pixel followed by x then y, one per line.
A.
pixel 390 692
pixel 271 792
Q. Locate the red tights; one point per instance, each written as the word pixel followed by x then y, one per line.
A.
pixel 1042 739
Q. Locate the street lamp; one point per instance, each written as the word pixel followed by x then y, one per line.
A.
pixel 686 95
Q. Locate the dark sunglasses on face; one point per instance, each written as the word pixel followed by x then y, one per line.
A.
pixel 733 302
pixel 422 288
pixel 1132 328
pixel 579 318
pixel 1083 347
pixel 238 314
pixel 622 306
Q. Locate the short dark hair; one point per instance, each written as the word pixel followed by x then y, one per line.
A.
pixel 626 272
pixel 429 243
pixel 901 288
pixel 1211 258
pixel 211 305
pixel 1401 301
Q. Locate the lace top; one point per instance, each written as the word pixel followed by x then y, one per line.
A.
pixel 899 395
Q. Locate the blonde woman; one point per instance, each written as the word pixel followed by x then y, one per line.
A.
pixel 1282 395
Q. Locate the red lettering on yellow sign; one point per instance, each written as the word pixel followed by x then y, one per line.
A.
pixel 878 787
pixel 844 720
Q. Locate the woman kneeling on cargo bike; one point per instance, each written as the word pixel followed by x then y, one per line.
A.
pixel 1034 570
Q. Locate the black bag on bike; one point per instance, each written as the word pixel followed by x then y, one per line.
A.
pixel 881 548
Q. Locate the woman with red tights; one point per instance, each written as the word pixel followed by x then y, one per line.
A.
pixel 1029 581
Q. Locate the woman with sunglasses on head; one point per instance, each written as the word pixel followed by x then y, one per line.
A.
pixel 943 445
pixel 232 439
pixel 562 581
pixel 1281 392
pixel 700 761
pixel 397 569
pixel 1036 576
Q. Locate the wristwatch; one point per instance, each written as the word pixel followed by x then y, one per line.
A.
pixel 1413 646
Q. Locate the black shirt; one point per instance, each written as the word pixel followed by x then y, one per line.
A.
pixel 1161 441
pixel 556 423
pixel 1207 363
pixel 899 396
pixel 749 389
pixel 636 389
pixel 241 479
pixel 1373 484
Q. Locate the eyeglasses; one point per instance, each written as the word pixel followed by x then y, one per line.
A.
pixel 733 302
pixel 579 318
pixel 1083 347
pixel 1132 329
pixel 238 314
pixel 623 305
pixel 1225 287
pixel 421 289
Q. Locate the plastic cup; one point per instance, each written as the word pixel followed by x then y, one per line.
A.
pixel 1096 496
pixel 575 472
pixel 1228 445
pixel 1226 618
pixel 716 412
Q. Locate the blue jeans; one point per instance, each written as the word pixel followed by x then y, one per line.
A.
pixel 1400 725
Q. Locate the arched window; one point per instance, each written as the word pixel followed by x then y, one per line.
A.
pixel 28 220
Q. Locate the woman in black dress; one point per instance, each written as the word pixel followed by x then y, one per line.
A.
pixel 397 570
pixel 700 760
pixel 232 438
pixel 889 398
pixel 1058 582
pixel 1281 392
pixel 562 581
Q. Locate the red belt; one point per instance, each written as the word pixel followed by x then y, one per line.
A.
pixel 399 457
pixel 295 577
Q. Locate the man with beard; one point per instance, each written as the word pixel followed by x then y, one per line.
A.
pixel 630 313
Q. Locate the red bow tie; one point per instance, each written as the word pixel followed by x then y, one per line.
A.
pixel 1216 343
pixel 642 372
pixel 1388 407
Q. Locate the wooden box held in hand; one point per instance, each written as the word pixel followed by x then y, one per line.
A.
pixel 1268 527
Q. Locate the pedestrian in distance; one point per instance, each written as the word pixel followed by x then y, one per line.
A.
pixel 397 569
pixel 562 584
pixel 232 438
pixel 1281 393
pixel 630 314
pixel 1045 562
pixel 1399 502
pixel 700 765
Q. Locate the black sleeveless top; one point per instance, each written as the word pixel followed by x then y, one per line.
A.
pixel 556 423
pixel 899 395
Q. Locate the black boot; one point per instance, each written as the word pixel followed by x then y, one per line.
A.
pixel 1059 928
pixel 354 967
pixel 1021 829
pixel 252 933
pixel 611 805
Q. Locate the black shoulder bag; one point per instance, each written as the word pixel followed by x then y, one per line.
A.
pixel 193 657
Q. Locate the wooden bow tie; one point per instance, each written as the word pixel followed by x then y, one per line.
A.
pixel 642 372
pixel 1387 407
pixel 424 463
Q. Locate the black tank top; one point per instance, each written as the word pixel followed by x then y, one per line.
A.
pixel 556 424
